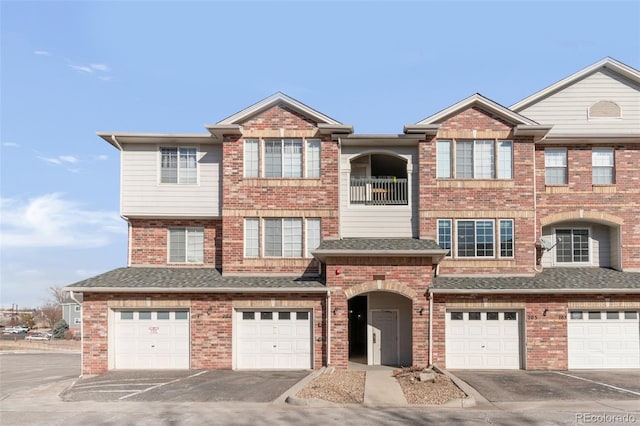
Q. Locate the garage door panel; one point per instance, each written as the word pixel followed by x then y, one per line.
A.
pixel 607 339
pixel 482 340
pixel 281 339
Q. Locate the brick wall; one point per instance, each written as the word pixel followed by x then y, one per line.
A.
pixel 211 340
pixel 149 240
pixel 581 200
pixel 410 277
pixel 282 197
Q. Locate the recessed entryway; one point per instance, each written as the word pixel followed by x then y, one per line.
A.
pixel 483 339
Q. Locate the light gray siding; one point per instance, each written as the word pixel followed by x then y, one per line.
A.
pixel 568 109
pixel 601 238
pixel 378 221
pixel 142 194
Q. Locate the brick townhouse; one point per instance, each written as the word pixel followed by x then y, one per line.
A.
pixel 483 236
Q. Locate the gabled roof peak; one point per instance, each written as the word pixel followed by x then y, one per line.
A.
pixel 277 99
pixel 605 63
pixel 482 102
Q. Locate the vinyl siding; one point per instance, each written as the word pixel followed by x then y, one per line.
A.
pixel 370 221
pixel 143 194
pixel 568 109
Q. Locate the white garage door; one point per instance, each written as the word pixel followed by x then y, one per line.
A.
pixel 273 339
pixel 604 339
pixel 483 340
pixel 152 339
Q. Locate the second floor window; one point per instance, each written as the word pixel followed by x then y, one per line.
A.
pixel 186 245
pixel 282 158
pixel 281 237
pixel 477 238
pixel 572 245
pixel 178 165
pixel 555 166
pixel 444 234
pixel 602 163
pixel 474 159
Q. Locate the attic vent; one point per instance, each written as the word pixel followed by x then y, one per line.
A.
pixel 604 109
pixel 379 277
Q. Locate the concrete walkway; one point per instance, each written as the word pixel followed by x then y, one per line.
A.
pixel 381 389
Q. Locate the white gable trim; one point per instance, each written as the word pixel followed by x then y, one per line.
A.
pixel 277 98
pixel 609 63
pixel 483 103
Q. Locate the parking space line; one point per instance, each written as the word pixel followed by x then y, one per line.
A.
pixel 599 383
pixel 162 384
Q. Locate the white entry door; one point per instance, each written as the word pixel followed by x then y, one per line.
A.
pixel 384 337
pixel 483 340
pixel 603 339
pixel 150 340
pixel 273 339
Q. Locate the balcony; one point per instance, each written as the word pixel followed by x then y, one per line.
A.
pixel 379 191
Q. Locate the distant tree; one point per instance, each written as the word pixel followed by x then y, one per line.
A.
pixel 58 295
pixel 27 320
pixel 51 313
pixel 59 329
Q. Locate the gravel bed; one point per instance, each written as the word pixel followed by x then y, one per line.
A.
pixel 428 393
pixel 339 386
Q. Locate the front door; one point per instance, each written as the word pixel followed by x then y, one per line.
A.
pixel 384 337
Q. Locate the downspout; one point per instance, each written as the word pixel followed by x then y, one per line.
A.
pixel 339 186
pixel 328 327
pixel 535 210
pixel 430 328
pixel 73 297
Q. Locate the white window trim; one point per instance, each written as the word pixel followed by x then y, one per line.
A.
pixel 159 168
pixel 499 242
pixel 451 249
pixel 566 165
pixel 305 237
pixel 245 237
pixel 572 263
pixel 496 164
pixel 261 157
pixel 186 245
pixel 262 238
pixel 612 167
pixel 475 256
pixel 77 308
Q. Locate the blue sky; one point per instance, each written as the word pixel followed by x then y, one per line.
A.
pixel 70 69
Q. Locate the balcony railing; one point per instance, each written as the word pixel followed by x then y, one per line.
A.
pixel 379 191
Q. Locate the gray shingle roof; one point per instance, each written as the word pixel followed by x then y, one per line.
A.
pixel 199 279
pixel 551 279
pixel 379 244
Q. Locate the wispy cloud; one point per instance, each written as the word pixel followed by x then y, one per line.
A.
pixel 10 144
pixel 101 70
pixel 102 157
pixel 81 68
pixel 50 220
pixel 41 53
pixel 60 159
pixel 99 67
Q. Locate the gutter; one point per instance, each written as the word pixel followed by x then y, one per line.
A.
pixel 197 289
pixel 538 291
pixel 73 297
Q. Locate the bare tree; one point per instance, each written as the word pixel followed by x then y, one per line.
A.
pixel 27 320
pixel 59 296
pixel 51 313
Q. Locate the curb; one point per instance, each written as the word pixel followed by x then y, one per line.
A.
pixel 289 395
pixel 472 398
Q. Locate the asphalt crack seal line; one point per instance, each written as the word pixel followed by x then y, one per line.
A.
pixel 601 384
pixel 161 384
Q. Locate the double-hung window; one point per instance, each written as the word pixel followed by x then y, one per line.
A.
pixel 602 163
pixel 474 159
pixel 475 238
pixel 555 166
pixel 506 238
pixel 282 158
pixel 186 245
pixel 178 165
pixel 281 237
pixel 572 245
pixel 444 234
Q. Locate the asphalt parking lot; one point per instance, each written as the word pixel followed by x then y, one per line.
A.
pixel 185 386
pixel 24 371
pixel 584 385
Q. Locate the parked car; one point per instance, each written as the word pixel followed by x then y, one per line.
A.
pixel 38 336
pixel 11 330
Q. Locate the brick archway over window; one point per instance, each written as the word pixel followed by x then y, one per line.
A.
pixel 582 215
pixel 391 286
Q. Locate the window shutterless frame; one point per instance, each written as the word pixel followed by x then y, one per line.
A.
pixel 282 158
pixel 178 165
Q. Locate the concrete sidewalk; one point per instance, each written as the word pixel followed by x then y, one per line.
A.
pixel 381 389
